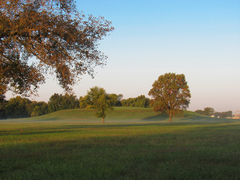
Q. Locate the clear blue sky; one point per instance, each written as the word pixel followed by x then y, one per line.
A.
pixel 200 39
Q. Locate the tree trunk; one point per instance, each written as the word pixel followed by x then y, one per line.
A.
pixel 102 120
pixel 170 117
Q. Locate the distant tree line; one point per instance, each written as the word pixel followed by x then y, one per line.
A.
pixel 140 101
pixel 208 111
pixel 19 107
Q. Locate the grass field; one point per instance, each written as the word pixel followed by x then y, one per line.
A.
pixel 134 143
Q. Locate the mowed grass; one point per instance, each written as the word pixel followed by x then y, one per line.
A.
pixel 140 148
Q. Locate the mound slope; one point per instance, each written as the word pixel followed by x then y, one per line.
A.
pixel 118 115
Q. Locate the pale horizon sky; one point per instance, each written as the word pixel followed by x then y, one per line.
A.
pixel 200 39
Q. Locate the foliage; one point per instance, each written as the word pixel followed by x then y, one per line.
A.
pixel 115 99
pixel 199 111
pixel 140 101
pixel 98 99
pixel 170 94
pixel 128 102
pixel 85 101
pixel 223 114
pixel 17 107
pixel 38 108
pixel 208 111
pixel 226 114
pixel 59 102
pixel 62 40
pixel 3 103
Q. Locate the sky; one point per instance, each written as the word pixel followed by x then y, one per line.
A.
pixel 200 39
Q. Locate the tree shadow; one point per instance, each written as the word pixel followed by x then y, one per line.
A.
pixel 158 117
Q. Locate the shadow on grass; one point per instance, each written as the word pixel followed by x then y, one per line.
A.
pixel 206 119
pixel 176 155
pixel 155 118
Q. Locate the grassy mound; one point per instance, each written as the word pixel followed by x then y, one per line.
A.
pixel 118 115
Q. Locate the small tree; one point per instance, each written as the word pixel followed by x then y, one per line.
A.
pixel 208 111
pixel 98 99
pixel 170 94
pixel 199 111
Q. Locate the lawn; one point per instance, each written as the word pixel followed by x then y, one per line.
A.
pixel 192 147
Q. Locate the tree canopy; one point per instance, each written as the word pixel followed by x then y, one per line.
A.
pixel 140 101
pixel 170 94
pixel 61 40
pixel 59 102
pixel 98 99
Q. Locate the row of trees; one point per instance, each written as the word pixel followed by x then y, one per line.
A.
pixel 140 101
pixel 116 100
pixel 170 96
pixel 22 107
pixel 19 107
pixel 208 111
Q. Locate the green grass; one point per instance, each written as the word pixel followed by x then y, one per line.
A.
pixel 118 115
pixel 63 145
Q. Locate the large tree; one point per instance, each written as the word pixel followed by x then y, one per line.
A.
pixel 54 36
pixel 170 94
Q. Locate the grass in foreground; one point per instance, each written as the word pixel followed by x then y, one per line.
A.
pixel 119 151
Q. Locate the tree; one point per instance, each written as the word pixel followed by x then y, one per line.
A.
pixel 170 94
pixel 69 101
pixel 54 103
pixel 226 114
pixel 59 102
pixel 98 99
pixel 84 102
pixel 62 40
pixel 199 111
pixel 142 101
pixel 17 107
pixel 37 108
pixel 217 114
pixel 115 99
pixel 208 111
pixel 3 103
pixel 128 102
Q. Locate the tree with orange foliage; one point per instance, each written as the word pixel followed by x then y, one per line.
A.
pixel 170 94
pixel 61 40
